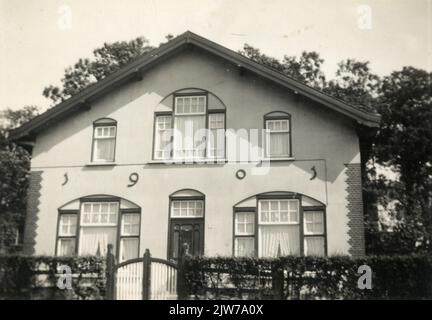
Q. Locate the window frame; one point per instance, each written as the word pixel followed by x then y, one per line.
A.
pixel 162 114
pixel 173 114
pixel 103 122
pixel 59 237
pixel 120 235
pixel 186 200
pixel 282 116
pixel 254 211
pixel 210 112
pixel 100 225
pixel 300 223
pixel 78 212
pixel 279 223
pixel 324 234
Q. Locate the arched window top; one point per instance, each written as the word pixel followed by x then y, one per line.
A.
pixel 277 114
pixel 213 101
pixel 183 193
pixel 97 222
pixel 306 201
pixel 175 114
pixel 264 222
pixel 105 122
pixel 75 204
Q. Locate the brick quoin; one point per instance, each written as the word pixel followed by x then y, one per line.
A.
pixel 355 210
pixel 33 196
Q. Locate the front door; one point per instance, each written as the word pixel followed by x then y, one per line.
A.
pixel 189 232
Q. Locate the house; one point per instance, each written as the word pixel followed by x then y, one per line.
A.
pixel 194 143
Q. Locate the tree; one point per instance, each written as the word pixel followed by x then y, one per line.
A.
pixel 15 160
pixel 14 171
pixel 107 59
pixel 404 141
pixel 355 84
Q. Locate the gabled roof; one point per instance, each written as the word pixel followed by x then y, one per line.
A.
pixel 136 68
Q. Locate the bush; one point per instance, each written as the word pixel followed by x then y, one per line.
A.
pixel 35 277
pixel 393 277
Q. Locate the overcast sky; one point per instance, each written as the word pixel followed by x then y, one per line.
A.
pixel 39 38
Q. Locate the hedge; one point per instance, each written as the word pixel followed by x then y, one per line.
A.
pixel 35 277
pixel 393 277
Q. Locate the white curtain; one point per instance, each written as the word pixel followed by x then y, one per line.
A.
pixel 104 149
pixel 273 237
pixel 66 247
pixel 189 136
pixel 314 246
pixel 128 249
pixel 216 143
pixel 95 240
pixel 244 247
pixel 279 144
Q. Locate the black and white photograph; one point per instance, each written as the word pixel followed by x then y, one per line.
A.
pixel 227 151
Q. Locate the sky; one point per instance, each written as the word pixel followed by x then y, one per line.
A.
pixel 40 38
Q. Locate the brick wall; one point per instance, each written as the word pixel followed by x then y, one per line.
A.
pixel 33 195
pixel 355 210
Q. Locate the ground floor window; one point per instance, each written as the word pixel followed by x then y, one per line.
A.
pixel 66 242
pixel 279 227
pixel 96 224
pixel 314 232
pixel 244 231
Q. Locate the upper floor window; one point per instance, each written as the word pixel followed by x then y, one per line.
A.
pixel 278 135
pixel 189 127
pixel 191 131
pixel 104 140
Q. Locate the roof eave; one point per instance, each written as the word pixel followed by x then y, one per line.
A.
pixel 140 64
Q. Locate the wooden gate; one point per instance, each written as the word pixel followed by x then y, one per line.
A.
pixel 144 278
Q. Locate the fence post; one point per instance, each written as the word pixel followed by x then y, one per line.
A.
pixel 146 274
pixel 277 282
pixel 110 262
pixel 181 280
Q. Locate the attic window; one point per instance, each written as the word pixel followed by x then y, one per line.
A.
pixel 104 140
pixel 278 135
pixel 191 131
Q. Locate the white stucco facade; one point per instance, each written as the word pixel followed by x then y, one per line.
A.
pixel 321 138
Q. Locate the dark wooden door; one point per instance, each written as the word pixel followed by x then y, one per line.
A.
pixel 186 231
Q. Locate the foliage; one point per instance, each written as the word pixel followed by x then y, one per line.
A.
pixel 35 277
pixel 14 172
pixel 293 277
pixel 306 68
pixel 403 142
pixel 107 59
pixel 355 84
